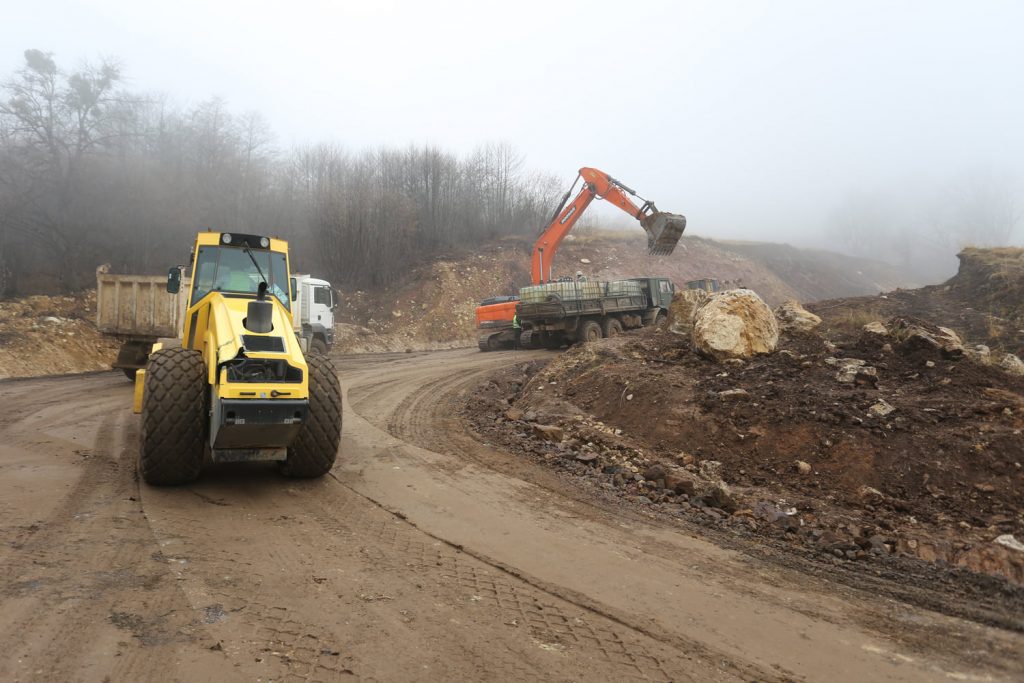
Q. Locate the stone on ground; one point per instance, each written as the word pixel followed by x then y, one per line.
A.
pixel 683 308
pixel 795 318
pixel 914 334
pixel 735 324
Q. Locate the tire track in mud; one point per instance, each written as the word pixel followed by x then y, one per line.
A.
pixel 556 614
pixel 85 583
pixel 548 619
pixel 258 607
pixel 249 600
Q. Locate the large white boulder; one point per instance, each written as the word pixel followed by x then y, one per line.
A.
pixel 735 324
pixel 794 317
pixel 683 309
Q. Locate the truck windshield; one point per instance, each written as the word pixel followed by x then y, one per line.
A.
pixel 229 269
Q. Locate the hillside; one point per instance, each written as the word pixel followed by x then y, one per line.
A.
pixel 433 308
pixel 984 301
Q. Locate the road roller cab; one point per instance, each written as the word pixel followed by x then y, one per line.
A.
pixel 239 388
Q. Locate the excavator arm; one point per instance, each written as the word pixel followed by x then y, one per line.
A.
pixel 663 229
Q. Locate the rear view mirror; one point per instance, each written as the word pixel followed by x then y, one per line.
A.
pixel 295 289
pixel 174 280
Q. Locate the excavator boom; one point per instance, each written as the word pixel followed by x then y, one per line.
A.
pixel 494 319
pixel 663 229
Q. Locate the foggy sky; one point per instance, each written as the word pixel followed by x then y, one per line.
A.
pixel 755 119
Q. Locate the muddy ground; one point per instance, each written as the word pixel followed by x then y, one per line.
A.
pixel 919 496
pixel 425 555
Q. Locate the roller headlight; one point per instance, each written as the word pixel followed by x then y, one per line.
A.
pixel 264 242
pixel 226 238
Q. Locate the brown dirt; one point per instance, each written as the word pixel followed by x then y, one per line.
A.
pixel 46 335
pixel 424 556
pixel 932 484
pixel 984 301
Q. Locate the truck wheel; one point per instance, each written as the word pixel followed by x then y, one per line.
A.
pixel 612 327
pixel 590 331
pixel 313 452
pixel 174 417
pixel 318 347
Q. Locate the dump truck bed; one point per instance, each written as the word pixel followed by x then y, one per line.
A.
pixel 137 306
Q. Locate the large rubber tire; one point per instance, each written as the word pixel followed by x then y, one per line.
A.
pixel 590 330
pixel 318 347
pixel 612 327
pixel 175 417
pixel 314 450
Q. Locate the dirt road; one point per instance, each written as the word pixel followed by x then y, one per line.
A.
pixel 425 556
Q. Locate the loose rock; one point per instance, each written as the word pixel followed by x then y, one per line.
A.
pixel 914 335
pixel 735 324
pixel 880 409
pixel 548 432
pixel 1012 364
pixel 794 317
pixel 683 309
pixel 733 394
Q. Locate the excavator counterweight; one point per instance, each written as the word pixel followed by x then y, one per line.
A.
pixel 663 232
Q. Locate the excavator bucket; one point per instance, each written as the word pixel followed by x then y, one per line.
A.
pixel 663 232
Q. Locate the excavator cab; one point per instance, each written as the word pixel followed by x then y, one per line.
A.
pixel 663 232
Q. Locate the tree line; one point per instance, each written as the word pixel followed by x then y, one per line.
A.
pixel 92 173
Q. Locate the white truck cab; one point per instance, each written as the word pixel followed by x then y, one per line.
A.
pixel 313 313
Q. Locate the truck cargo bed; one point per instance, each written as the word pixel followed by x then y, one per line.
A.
pixel 137 306
pixel 558 310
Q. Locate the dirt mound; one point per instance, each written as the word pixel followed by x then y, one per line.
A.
pixel 913 454
pixel 46 335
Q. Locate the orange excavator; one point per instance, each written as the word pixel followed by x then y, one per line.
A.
pixel 494 316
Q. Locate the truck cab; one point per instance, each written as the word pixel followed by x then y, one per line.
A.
pixel 657 290
pixel 313 315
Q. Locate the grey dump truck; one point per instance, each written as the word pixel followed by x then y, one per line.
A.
pixel 561 313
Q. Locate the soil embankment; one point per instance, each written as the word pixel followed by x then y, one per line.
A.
pixel 912 469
